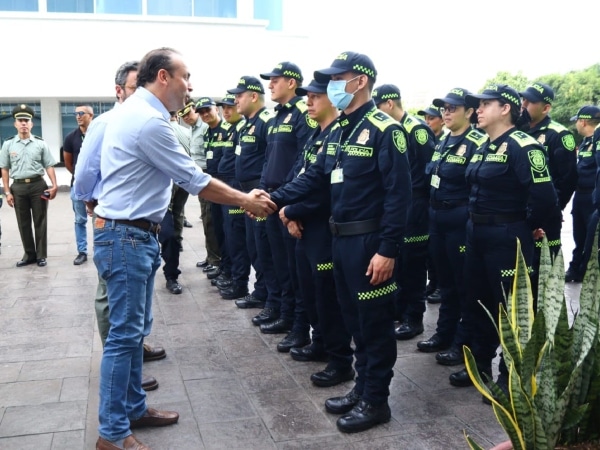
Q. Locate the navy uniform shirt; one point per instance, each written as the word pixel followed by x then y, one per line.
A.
pixel 214 139
pixel 364 161
pixel 288 133
pixel 421 145
pixel 250 152
pixel 449 163
pixel 510 176
pixel 226 167
pixel 596 147
pixel 562 160
pixel 586 165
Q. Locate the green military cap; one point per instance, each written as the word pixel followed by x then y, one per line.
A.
pixel 186 109
pixel 22 112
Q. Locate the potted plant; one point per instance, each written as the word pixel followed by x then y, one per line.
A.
pixel 553 365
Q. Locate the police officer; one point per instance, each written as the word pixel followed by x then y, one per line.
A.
pixel 290 129
pixel 364 164
pixel 412 272
pixel 250 159
pixel 309 222
pixel 434 120
pixel 586 120
pixel 559 144
pixel 448 215
pixel 511 197
pixel 24 158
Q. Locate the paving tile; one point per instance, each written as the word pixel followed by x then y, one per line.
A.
pixel 74 388
pixel 31 442
pixel 9 372
pixel 333 442
pixel 202 362
pixel 237 434
pixel 55 368
pixel 30 392
pixel 185 334
pixel 68 440
pixel 46 418
pixel 218 400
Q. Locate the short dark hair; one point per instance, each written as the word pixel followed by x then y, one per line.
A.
pixel 123 71
pixel 515 110
pixel 153 62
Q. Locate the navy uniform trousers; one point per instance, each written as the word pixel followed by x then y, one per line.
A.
pixel 368 313
pixel 315 273
pixel 582 211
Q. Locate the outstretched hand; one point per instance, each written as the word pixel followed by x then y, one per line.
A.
pixel 258 204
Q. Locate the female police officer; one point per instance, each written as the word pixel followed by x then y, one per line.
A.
pixel 448 214
pixel 511 195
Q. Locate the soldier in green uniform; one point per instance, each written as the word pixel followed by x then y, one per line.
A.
pixel 24 158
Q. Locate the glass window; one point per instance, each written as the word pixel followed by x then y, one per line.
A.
pixel 270 10
pixel 7 123
pixel 18 5
pixel 67 113
pixel 71 6
pixel 215 8
pixel 170 8
pixel 119 7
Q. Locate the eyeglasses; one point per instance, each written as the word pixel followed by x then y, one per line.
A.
pixel 448 108
pixel 80 113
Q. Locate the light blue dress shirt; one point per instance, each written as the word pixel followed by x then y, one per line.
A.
pixel 140 155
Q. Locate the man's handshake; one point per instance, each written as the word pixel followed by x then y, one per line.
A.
pixel 258 204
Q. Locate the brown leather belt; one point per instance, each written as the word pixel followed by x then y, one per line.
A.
pixel 145 225
pixel 28 180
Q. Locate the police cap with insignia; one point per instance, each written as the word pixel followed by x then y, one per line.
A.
pixel 228 100
pixel 456 97
pixel 587 112
pixel 205 102
pixel 538 92
pixel 348 62
pixel 186 109
pixel 386 92
pixel 22 112
pixel 431 110
pixel 495 92
pixel 247 83
pixel 314 86
pixel 284 69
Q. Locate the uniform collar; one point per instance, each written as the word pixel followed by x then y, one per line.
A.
pixel 289 104
pixel 356 115
pixel 540 126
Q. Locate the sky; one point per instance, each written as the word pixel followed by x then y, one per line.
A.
pixel 427 48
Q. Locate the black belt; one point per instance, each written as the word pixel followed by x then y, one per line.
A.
pixel 28 180
pixel 493 219
pixel 249 185
pixel 145 225
pixel 354 228
pixel 448 204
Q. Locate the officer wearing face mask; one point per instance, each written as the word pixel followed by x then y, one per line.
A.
pixel 364 165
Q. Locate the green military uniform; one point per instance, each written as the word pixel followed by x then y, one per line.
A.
pixel 26 160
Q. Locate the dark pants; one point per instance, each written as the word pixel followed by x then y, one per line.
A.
pixel 315 273
pixel 218 225
pixel 30 207
pixel 552 228
pixel 368 313
pixel 411 271
pixel 234 227
pixel 213 254
pixel 178 201
pixel 582 211
pixel 266 286
pixel 490 264
pixel 169 247
pixel 447 244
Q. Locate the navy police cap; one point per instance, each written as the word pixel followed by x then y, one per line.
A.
pixel 431 110
pixel 495 92
pixel 247 83
pixel 538 92
pixel 227 100
pixel 348 62
pixel 386 92
pixel 284 69
pixel 314 86
pixel 456 97
pixel 587 112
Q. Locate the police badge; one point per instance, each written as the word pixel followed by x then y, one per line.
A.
pixel 363 137
pixel 288 118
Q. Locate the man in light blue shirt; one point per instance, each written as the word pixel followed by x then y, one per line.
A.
pixel 140 157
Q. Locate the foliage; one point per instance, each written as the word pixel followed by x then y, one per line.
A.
pixel 553 366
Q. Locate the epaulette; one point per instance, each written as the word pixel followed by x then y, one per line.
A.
pixel 382 120
pixel 558 127
pixel 37 137
pixel 476 137
pixel 523 139
pixel 301 105
pixel 240 125
pixel 265 116
pixel 225 125
pixel 409 123
pixel 8 139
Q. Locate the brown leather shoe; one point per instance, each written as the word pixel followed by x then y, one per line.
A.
pixel 149 383
pixel 130 443
pixel 155 418
pixel 153 353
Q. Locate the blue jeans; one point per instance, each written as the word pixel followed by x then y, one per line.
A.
pixel 127 258
pixel 81 218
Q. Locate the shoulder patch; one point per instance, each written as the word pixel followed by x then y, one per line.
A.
pixel 568 141
pixel 476 137
pixel 225 125
pixel 421 136
pixel 523 139
pixel 399 140
pixel 558 127
pixel 301 106
pixel 381 120
pixel 539 168
pixel 265 116
pixel 311 122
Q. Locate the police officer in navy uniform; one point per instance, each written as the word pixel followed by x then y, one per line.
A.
pixel 448 215
pixel 24 158
pixel 412 272
pixel 511 196
pixel 290 129
pixel 586 120
pixel 250 159
pixel 559 144
pixel 309 222
pixel 364 164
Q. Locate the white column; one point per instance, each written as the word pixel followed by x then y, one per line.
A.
pixel 245 9
pixel 51 125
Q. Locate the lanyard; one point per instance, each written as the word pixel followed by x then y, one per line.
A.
pixel 443 156
pixel 347 141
